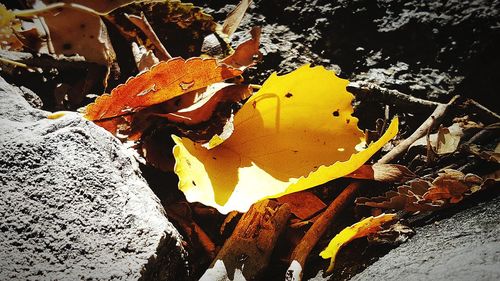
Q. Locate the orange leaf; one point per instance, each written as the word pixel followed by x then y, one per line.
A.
pixel 247 53
pixel 303 204
pixel 162 82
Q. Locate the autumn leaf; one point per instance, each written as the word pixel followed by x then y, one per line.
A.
pixel 162 82
pixel 102 6
pixel 449 187
pixel 202 106
pixel 74 31
pixel 181 27
pixel 234 18
pixel 303 204
pixel 8 26
pixel 360 229
pixel 296 132
pixel 247 53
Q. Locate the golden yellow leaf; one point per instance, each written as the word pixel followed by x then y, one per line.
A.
pixel 296 132
pixel 360 229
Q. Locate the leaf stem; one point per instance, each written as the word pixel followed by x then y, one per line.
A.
pixel 255 86
pixel 15 63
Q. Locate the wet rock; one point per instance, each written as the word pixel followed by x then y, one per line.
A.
pixel 73 203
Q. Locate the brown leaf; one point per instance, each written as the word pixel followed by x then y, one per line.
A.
pixel 77 32
pixel 181 27
pixel 395 234
pixel 247 53
pixel 303 204
pixel 204 105
pixel 383 173
pixel 450 187
pixel 234 18
pixel 488 155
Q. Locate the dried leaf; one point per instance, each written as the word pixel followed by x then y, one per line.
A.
pixel 247 53
pixel 488 155
pixel 396 234
pixel 445 141
pixel 360 229
pixel 204 105
pixel 234 18
pixel 8 26
pixel 74 31
pixel 303 204
pixel 143 24
pixel 450 187
pixel 276 148
pixel 144 59
pixel 162 82
pixel 383 173
pixel 181 27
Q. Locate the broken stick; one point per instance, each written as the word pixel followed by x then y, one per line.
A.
pixel 370 91
pixel 248 250
pixel 434 119
pixel 302 250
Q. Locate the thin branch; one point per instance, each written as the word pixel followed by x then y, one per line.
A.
pixel 403 146
pixel 367 90
pixel 483 109
pixel 302 250
pixel 29 13
pixel 143 24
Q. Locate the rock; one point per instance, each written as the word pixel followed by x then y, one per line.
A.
pixel 74 205
pixel 430 49
pixel 465 247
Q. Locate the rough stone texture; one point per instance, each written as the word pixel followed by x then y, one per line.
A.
pixel 464 247
pixel 432 49
pixel 73 205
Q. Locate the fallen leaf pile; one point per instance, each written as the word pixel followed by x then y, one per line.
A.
pixel 449 187
pixel 162 75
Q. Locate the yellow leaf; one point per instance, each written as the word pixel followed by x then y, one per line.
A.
pixel 296 132
pixel 360 229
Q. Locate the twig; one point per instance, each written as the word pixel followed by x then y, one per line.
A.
pixel 29 13
pixel 434 118
pixel 483 109
pixel 312 236
pixel 366 90
pixel 310 239
pixel 14 63
pixel 255 86
pixel 143 24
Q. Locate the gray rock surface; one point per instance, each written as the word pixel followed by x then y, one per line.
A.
pixel 432 49
pixel 73 205
pixel 464 247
